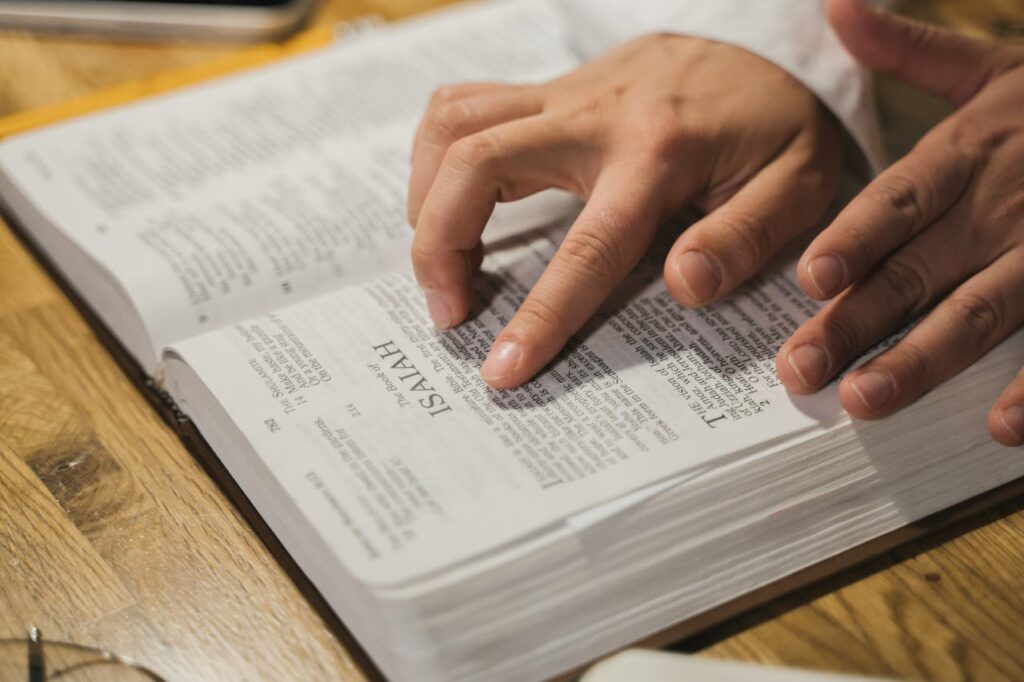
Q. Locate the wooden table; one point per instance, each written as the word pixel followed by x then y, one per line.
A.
pixel 111 534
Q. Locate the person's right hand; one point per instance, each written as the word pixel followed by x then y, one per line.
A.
pixel 939 234
pixel 656 124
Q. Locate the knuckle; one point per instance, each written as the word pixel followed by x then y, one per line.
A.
pixel 903 197
pixel 976 314
pixel 448 120
pixel 587 116
pixel 611 219
pixel 817 181
pixel 844 335
pixel 661 137
pixel 976 136
pixel 913 362
pixel 752 236
pixel 474 152
pixel 858 240
pixel 906 280
pixel 444 94
pixel 536 312
pixel 960 133
pixel 421 254
pixel 591 254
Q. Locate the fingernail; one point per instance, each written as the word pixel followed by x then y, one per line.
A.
pixel 439 311
pixel 501 361
pixel 1013 419
pixel 874 388
pixel 826 273
pixel 810 362
pixel 701 275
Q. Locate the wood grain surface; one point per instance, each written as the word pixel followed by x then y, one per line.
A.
pixel 111 534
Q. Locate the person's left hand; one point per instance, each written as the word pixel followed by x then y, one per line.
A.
pixel 944 225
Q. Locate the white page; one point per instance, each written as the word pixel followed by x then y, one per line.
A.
pixel 398 454
pixel 228 199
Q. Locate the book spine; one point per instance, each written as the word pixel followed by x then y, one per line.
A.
pixel 166 406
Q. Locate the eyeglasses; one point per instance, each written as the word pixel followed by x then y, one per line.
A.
pixel 29 660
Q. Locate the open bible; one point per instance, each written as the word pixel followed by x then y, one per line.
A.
pixel 246 242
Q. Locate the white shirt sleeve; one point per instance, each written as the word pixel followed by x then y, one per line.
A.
pixel 792 34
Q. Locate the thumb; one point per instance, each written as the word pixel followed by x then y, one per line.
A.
pixel 937 60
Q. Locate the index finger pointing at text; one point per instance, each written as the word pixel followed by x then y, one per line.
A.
pixel 602 247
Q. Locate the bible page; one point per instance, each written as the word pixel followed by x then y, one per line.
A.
pixel 382 432
pixel 234 197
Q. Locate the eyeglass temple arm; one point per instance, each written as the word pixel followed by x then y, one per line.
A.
pixel 36 662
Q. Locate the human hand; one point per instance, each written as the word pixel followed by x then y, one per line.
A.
pixel 945 225
pixel 656 124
